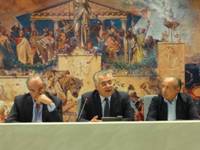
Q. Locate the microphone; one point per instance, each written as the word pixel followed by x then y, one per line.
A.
pixel 81 111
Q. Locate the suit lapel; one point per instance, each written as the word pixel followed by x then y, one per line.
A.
pixel 179 107
pixel 97 104
pixel 113 103
pixel 163 109
pixel 44 113
pixel 28 107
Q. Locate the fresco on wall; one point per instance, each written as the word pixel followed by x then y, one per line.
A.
pixel 67 88
pixel 127 40
pixel 192 77
pixel 192 82
pixel 125 33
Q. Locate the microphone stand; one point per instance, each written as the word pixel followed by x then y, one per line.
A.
pixel 79 115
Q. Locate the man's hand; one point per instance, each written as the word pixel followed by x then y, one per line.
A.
pixel 44 99
pixel 95 119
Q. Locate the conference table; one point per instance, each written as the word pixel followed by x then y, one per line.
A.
pixel 161 135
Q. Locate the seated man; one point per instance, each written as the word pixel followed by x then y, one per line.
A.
pixel 37 105
pixel 104 101
pixel 172 105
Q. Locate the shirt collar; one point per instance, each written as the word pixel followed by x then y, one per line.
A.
pixel 102 98
pixel 171 102
pixel 34 102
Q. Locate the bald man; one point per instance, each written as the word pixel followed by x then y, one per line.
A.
pixel 171 104
pixel 37 105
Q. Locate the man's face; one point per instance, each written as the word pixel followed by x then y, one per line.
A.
pixel 169 89
pixel 105 85
pixel 36 88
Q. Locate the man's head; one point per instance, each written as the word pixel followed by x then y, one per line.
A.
pixel 103 81
pixel 35 86
pixel 171 86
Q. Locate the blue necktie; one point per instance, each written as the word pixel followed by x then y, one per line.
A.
pixel 37 109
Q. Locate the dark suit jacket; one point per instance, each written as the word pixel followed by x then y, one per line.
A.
pixel 22 110
pixel 185 108
pixel 119 106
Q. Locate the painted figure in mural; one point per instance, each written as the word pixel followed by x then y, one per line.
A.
pixel 37 105
pixel 5 48
pixel 81 20
pixel 46 46
pixel 65 44
pixel 112 46
pixel 139 37
pixel 152 86
pixel 136 103
pixel 5 42
pixel 61 40
pixel 33 42
pixel 150 46
pixel 105 100
pixel 51 45
pixel 24 51
pixel 2 111
pixel 138 53
pixel 121 36
pixel 131 45
pixel 3 95
pixel 64 86
pixel 1 60
pixel 172 104
pixel 101 38
pixel 90 48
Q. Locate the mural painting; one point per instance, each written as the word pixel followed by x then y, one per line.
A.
pixel 87 26
pixel 126 35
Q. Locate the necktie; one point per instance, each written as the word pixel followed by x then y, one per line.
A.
pixel 37 106
pixel 106 108
pixel 37 109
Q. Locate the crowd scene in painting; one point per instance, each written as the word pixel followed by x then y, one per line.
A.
pixel 30 46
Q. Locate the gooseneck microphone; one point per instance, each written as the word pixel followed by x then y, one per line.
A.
pixel 81 111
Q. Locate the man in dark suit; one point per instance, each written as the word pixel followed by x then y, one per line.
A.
pixel 37 105
pixel 171 104
pixel 104 101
